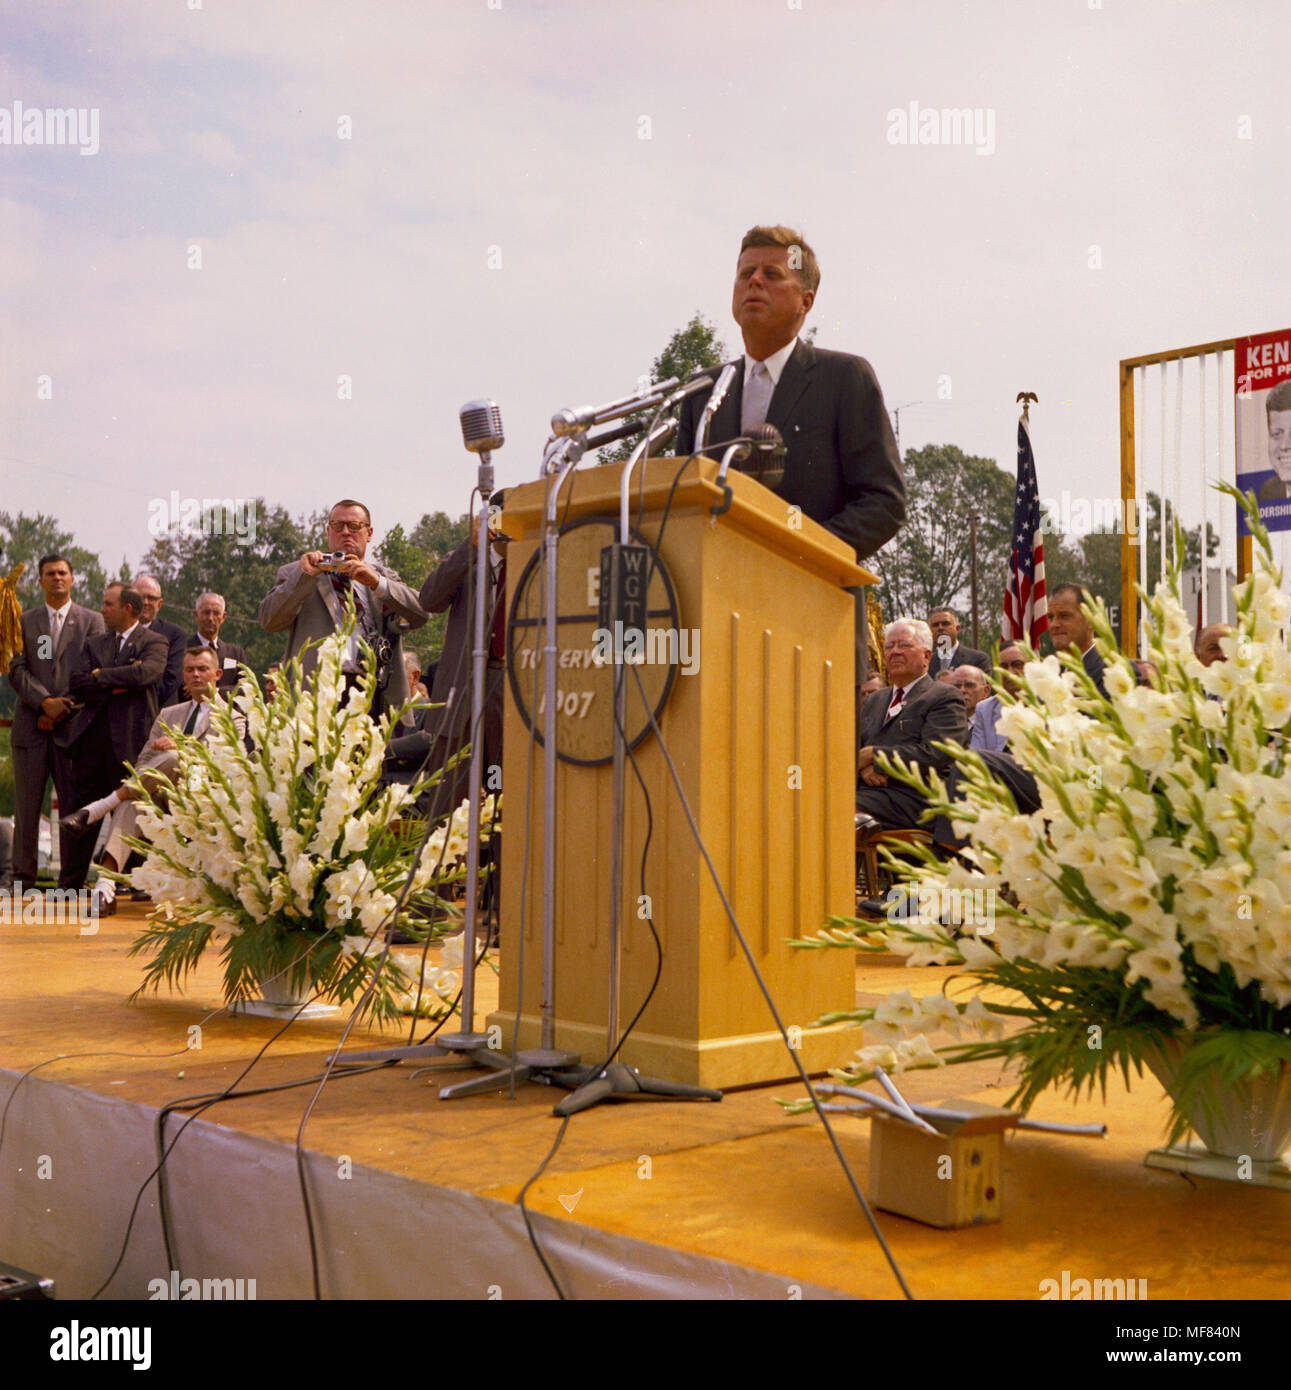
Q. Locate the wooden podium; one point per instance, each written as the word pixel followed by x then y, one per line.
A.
pixel 759 721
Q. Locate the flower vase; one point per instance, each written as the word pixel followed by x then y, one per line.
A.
pixel 1244 1128
pixel 288 994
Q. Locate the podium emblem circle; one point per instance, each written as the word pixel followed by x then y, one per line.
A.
pixel 585 652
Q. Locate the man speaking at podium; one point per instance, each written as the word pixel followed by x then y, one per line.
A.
pixel 841 465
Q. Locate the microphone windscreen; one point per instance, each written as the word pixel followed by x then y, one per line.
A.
pixel 481 423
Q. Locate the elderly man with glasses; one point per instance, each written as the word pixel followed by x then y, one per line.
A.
pixel 904 720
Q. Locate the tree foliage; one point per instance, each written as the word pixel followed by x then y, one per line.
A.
pixel 27 538
pixel 190 559
pixel 414 557
pixel 690 348
pixel 1094 558
pixel 928 563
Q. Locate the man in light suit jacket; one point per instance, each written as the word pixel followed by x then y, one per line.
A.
pixel 155 764
pixel 229 657
pixel 948 652
pixel 841 467
pixel 42 724
pixel 149 589
pixel 308 604
pixel 117 680
pixel 904 720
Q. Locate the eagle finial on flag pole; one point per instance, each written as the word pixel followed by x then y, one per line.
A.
pixel 1026 397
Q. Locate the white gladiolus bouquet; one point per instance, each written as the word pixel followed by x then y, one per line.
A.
pixel 291 854
pixel 1147 905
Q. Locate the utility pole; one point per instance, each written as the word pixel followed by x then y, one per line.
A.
pixel 972 560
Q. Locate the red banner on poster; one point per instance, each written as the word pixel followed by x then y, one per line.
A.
pixel 1262 415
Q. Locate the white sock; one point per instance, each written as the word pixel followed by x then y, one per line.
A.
pixel 105 888
pixel 104 806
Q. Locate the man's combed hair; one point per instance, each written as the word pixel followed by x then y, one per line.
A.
pixel 130 597
pixel 53 560
pixel 804 264
pixel 350 502
pixel 1278 399
pixel 922 631
pixel 1082 594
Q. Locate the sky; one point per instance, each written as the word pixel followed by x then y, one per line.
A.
pixel 309 232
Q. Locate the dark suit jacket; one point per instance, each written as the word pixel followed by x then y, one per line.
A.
pixel 964 656
pixel 451 586
pixel 933 713
pixel 172 680
pixel 841 466
pixel 1094 669
pixel 122 720
pixel 36 678
pixel 224 652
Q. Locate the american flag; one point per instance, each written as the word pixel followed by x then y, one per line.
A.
pixel 1026 611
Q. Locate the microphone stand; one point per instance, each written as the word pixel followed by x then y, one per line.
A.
pixel 617 1079
pixel 466 1041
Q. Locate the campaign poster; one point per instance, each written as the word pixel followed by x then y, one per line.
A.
pixel 1262 414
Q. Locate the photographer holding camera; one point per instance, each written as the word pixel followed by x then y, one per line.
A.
pixel 308 603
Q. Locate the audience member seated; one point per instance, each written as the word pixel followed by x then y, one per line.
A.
pixel 904 720
pixel 1072 631
pixel 156 766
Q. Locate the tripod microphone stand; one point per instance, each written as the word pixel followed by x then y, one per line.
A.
pixel 616 1080
pixel 482 433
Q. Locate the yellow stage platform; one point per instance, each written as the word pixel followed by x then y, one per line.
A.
pixel 414 1197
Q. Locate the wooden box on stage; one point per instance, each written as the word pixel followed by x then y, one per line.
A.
pixel 755 699
pixel 951 1179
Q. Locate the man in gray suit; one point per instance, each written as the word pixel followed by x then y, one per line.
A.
pixel 53 636
pixel 229 656
pixel 308 604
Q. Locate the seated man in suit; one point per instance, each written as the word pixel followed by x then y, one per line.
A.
pixel 308 604
pixel 905 720
pixel 971 684
pixel 983 731
pixel 228 655
pixel 1072 631
pixel 53 635
pixel 985 737
pixel 156 766
pixel 1206 643
pixel 948 652
pixel 842 468
pixel 116 681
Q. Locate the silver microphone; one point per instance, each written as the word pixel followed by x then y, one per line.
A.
pixel 766 459
pixel 481 423
pixel 715 399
